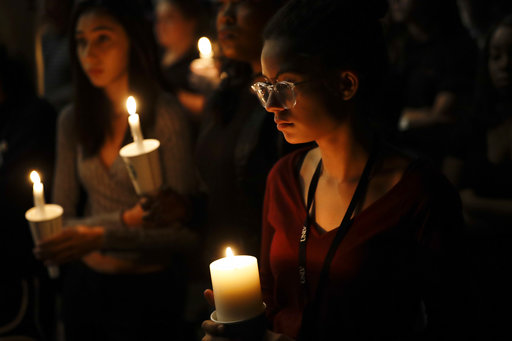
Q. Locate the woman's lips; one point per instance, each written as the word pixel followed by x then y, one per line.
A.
pixel 283 125
pixel 226 35
pixel 94 72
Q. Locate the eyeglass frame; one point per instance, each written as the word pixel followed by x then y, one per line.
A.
pixel 271 87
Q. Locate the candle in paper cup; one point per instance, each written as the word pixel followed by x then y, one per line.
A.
pixel 38 190
pixel 143 167
pixel 134 122
pixel 236 287
pixel 205 65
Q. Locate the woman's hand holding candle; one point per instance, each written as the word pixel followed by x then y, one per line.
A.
pixel 217 331
pixel 70 244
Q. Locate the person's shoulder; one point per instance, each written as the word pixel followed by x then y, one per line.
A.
pixel 168 104
pixel 66 117
pixel 418 177
pixel 287 164
pixel 424 182
pixel 168 108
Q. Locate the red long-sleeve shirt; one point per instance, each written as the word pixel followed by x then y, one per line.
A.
pixel 399 252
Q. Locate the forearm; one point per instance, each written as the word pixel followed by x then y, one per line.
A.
pixel 491 209
pixel 110 220
pixel 176 239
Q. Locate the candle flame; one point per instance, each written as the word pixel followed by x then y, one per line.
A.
pixel 34 177
pixel 205 47
pixel 229 252
pixel 131 105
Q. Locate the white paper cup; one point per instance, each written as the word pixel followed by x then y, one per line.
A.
pixel 143 165
pixel 43 224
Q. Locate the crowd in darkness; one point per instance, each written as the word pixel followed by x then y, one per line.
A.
pixel 429 82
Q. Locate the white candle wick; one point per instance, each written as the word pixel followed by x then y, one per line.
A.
pixel 38 190
pixel 134 122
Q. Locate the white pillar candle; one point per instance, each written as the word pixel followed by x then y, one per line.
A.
pixel 134 122
pixel 236 287
pixel 38 190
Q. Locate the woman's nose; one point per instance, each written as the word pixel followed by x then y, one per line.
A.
pixel 274 105
pixel 88 52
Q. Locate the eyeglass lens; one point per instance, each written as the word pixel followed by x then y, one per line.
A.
pixel 282 91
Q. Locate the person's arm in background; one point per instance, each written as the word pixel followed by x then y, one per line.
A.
pixel 440 112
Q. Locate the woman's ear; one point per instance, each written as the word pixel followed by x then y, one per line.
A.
pixel 349 83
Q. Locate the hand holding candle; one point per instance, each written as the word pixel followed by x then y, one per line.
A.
pixel 45 220
pixel 236 288
pixel 141 157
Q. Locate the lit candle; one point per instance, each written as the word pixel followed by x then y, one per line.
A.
pixel 205 65
pixel 133 120
pixel 38 190
pixel 205 48
pixel 236 287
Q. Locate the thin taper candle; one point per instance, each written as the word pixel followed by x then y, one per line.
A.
pixel 38 190
pixel 134 122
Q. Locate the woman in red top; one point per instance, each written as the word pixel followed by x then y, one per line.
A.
pixel 359 239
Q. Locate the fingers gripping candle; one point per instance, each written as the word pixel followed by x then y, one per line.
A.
pixel 134 122
pixel 236 287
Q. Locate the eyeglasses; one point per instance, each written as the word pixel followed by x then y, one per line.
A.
pixel 284 93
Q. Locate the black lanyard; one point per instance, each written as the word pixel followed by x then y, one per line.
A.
pixel 357 199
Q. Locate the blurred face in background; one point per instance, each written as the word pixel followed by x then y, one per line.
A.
pixel 240 25
pixel 500 59
pixel 102 46
pixel 171 26
pixel 401 10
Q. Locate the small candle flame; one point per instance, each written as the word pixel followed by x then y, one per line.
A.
pixel 131 106
pixel 34 177
pixel 229 252
pixel 205 47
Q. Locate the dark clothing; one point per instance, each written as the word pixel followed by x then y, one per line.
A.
pixel 177 75
pixel 27 142
pixel 486 150
pixel 234 154
pixel 398 255
pixel 483 144
pixel 422 70
pixel 233 160
pixel 123 307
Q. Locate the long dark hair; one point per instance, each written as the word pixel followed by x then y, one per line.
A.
pixel 337 35
pixel 486 95
pixel 93 111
